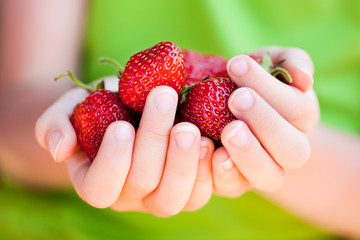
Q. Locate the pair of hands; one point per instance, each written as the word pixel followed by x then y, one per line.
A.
pixel 164 169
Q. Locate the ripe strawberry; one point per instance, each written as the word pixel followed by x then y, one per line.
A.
pixel 91 117
pixel 161 64
pixel 256 58
pixel 206 106
pixel 199 66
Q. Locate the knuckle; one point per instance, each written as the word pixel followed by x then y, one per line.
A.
pixel 256 163
pixel 96 200
pixel 117 208
pixel 298 113
pixel 141 188
pixel 142 182
pixel 305 115
pixel 193 206
pixel 271 182
pixel 164 210
pixel 301 155
pixel 268 126
pixel 181 172
pixel 200 196
pixel 125 205
pixel 158 134
pixel 313 112
pixel 203 176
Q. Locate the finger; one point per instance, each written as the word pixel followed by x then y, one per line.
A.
pixel 54 131
pixel 101 182
pixel 250 158
pixel 203 186
pixel 286 144
pixel 228 181
pixel 180 172
pixel 296 61
pixel 151 143
pixel 126 205
pixel 111 83
pixel 201 192
pixel 301 109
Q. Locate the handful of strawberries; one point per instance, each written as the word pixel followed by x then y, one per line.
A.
pixel 200 80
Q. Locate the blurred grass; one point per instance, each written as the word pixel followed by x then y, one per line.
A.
pixel 27 214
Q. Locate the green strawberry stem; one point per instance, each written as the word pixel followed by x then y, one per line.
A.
pixel 112 62
pixel 266 62
pixel 277 65
pixel 281 74
pixel 276 71
pixel 75 80
pixel 184 92
pixel 99 85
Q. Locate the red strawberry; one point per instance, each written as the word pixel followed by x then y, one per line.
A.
pixel 199 66
pixel 91 118
pixel 206 106
pixel 161 64
pixel 256 58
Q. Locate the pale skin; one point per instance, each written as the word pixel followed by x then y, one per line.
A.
pixel 276 147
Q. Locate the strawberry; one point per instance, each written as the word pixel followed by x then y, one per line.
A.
pixel 91 117
pixel 161 64
pixel 199 66
pixel 256 58
pixel 206 105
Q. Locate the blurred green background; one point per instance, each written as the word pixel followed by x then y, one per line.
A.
pixel 329 30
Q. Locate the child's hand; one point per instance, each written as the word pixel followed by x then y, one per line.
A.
pixel 159 169
pixel 274 119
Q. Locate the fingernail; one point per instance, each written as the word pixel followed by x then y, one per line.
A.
pixel 204 150
pixel 165 101
pixel 304 67
pixel 242 99
pixel 122 132
pixel 227 165
pixel 185 137
pixel 238 136
pixel 238 66
pixel 54 143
